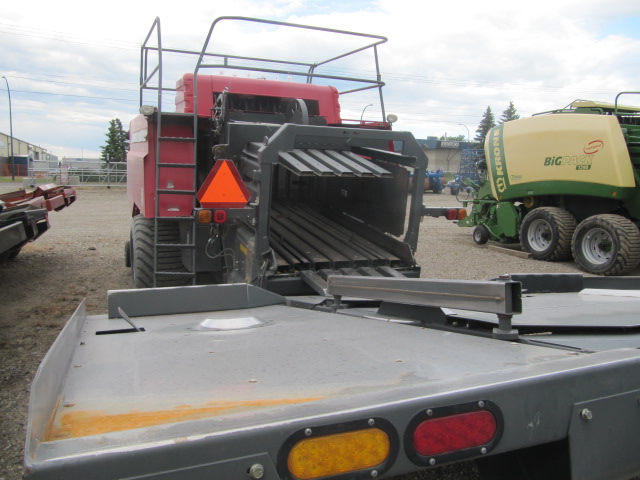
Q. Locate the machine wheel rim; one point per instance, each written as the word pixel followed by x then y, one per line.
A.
pixel 540 235
pixel 597 246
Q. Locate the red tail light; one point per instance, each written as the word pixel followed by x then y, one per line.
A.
pixel 444 434
pixel 452 214
pixel 455 432
pixel 220 216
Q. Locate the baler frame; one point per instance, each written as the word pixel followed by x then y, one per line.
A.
pixel 190 119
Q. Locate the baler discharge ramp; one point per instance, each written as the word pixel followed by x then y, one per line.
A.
pixel 320 195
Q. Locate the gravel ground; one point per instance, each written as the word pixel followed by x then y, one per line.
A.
pixel 81 256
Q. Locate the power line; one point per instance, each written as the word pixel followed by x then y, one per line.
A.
pixel 75 96
pixel 64 37
pixel 48 80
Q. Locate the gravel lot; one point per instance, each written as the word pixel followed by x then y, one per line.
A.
pixel 82 257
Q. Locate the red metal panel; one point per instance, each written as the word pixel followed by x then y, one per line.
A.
pixel 211 85
pixel 140 188
pixel 141 172
pixel 172 205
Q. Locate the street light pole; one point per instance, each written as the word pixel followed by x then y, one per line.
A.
pixel 467 130
pixel 370 105
pixel 13 172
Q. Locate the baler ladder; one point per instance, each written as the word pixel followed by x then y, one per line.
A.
pixel 172 153
pixel 174 258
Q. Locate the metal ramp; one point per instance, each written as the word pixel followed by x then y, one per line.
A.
pixel 318 281
pixel 309 161
pixel 314 247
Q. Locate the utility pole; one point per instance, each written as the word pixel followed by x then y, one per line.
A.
pixel 467 130
pixel 13 172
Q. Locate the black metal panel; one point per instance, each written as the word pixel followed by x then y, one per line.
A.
pixel 336 163
pixel 325 163
pixel 316 249
pixel 174 300
pixel 393 157
pixel 601 422
pixel 375 169
pixel 355 167
pixel 318 167
pixel 292 163
pixel 304 239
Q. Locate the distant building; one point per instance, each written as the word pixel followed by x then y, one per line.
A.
pixel 24 154
pixel 444 154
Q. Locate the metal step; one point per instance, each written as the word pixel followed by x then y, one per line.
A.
pixel 176 139
pixel 176 165
pixel 175 245
pixel 175 192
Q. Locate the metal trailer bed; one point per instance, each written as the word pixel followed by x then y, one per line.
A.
pixel 221 381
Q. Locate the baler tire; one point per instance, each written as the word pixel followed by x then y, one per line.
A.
pixel 481 235
pixel 606 244
pixel 142 238
pixel 454 190
pixel 546 233
pixel 127 254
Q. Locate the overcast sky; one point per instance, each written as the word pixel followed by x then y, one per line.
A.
pixel 74 66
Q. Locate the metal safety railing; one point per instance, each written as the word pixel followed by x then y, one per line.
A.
pixel 113 174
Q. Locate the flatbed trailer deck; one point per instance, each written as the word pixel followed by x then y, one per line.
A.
pixel 228 386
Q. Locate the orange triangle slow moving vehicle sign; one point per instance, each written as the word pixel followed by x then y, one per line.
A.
pixel 223 187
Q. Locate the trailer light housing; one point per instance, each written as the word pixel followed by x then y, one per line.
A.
pixel 204 216
pixel 220 216
pixel 347 450
pixel 453 433
pixel 456 214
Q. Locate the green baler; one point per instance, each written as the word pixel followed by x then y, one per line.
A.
pixel 564 183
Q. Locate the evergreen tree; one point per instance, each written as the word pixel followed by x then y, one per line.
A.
pixel 486 124
pixel 509 114
pixel 117 144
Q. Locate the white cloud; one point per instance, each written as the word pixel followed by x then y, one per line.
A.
pixel 72 71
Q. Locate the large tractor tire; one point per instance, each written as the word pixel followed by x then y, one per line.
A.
pixel 606 245
pixel 141 254
pixel 546 233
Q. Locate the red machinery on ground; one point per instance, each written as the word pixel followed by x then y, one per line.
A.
pixel 23 215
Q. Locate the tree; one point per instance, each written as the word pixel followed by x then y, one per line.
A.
pixel 117 144
pixel 486 124
pixel 509 114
